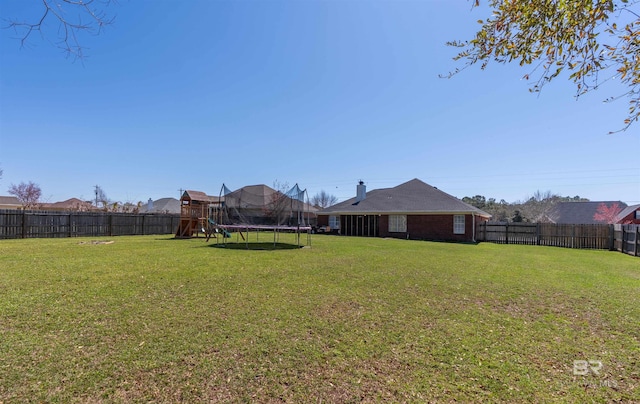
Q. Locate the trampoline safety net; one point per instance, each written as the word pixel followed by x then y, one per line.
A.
pixel 262 205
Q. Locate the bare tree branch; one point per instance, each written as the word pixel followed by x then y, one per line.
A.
pixel 27 193
pixel 323 199
pixel 62 12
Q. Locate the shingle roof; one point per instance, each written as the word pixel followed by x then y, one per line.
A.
pixel 413 196
pixel 197 196
pixel 162 205
pixel 9 200
pixel 69 204
pixel 257 196
pixel 250 196
pixel 578 212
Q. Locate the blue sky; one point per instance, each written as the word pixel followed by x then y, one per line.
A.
pixel 191 95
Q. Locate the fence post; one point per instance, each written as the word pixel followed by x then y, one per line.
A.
pixel 24 223
pixel 506 233
pixel 620 239
pixel 635 244
pixel 537 233
pixel 612 242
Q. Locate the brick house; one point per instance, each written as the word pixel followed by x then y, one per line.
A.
pixel 630 215
pixel 413 210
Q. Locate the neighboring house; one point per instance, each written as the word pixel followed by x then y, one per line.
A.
pixel 162 205
pixel 578 212
pixel 70 205
pixel 10 202
pixel 630 215
pixel 263 205
pixel 413 210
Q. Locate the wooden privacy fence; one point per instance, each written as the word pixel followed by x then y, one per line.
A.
pixel 35 224
pixel 624 238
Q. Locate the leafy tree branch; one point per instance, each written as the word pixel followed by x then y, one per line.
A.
pixel 594 41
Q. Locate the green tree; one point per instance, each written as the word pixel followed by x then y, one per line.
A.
pixel 595 41
pixel 517 217
pixel 478 201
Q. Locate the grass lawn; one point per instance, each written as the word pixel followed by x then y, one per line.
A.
pixel 347 320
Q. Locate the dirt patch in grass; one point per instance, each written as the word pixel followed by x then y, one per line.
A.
pixel 96 242
pixel 339 310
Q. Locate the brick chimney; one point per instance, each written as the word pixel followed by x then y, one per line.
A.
pixel 361 191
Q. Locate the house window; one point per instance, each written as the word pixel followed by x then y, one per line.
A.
pixel 334 222
pixel 397 223
pixel 637 214
pixel 458 224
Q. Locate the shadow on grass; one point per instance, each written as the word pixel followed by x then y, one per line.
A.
pixel 173 238
pixel 257 246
